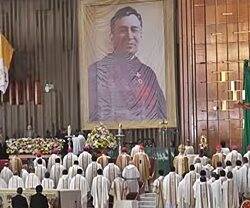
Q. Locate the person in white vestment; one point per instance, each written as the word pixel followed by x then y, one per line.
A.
pixel 237 174
pixel 181 194
pixel 78 144
pixel 245 178
pixel 91 170
pixel 198 166
pixel 119 189
pixel 82 141
pixel 3 184
pixel 24 173
pixel 6 173
pixel 56 171
pixel 229 166
pixel 15 182
pixel 52 161
pixel 224 149
pixel 84 159
pixel 39 156
pixel 103 159
pixel 158 189
pixel 47 182
pixel 79 182
pixel 111 171
pixel 202 157
pixel 32 179
pixel 189 181
pixel 40 170
pixel 100 190
pixel 233 156
pixel 135 150
pixel 222 179
pixel 247 154
pixel 132 175
pixel 73 169
pixel 216 191
pixel 203 194
pixel 170 188
pixel 230 194
pixel 203 173
pixel 64 181
pixel 69 159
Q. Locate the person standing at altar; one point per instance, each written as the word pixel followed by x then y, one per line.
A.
pixel 119 189
pixel 16 163
pixel 123 159
pixel 47 182
pixel 69 159
pixel 79 182
pixel 19 201
pixel 111 171
pixel 142 162
pixel 135 149
pixel 64 181
pixel 91 170
pixel 103 159
pixel 15 182
pixel 170 188
pixel 181 161
pixel 100 190
pixel 40 170
pixel 233 156
pixel 6 173
pixel 32 179
pixel 85 158
pixel 132 175
pixel 158 189
pixel 217 157
pixel 73 169
pixel 56 171
pixel 39 156
pixel 189 149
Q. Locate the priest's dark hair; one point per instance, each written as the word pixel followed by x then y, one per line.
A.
pixel 191 167
pixel 94 158
pixel 57 160
pixel 161 172
pixel 39 161
pixel 123 12
pixel 230 175
pixel 65 172
pixel 19 190
pixel 245 160
pixel 172 169
pixel 47 175
pixel 203 173
pixel 216 176
pixel 228 163
pixel 79 171
pixel 238 163
pixel 222 173
pixel 99 172
pixel 76 162
pixel 203 179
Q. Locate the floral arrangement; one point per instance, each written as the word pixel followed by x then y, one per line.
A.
pixel 101 138
pixel 33 146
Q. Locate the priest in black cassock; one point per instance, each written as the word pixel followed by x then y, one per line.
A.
pixel 121 87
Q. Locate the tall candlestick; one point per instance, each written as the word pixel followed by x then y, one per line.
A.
pixel 120 129
pixel 69 130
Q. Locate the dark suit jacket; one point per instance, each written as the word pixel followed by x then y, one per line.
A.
pixel 19 201
pixel 38 200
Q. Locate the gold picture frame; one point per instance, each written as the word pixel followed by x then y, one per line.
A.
pixel 86 13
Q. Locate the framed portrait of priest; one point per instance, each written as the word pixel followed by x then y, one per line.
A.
pixel 127 63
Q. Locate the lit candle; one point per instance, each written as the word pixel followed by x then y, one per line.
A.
pixel 69 130
pixel 120 129
pixel 224 105
pixel 243 95
pixel 232 88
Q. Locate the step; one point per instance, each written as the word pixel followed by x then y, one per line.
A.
pixel 148 203
pixel 148 195
pixel 147 206
pixel 146 198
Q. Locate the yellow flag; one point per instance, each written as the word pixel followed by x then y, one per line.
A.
pixel 6 53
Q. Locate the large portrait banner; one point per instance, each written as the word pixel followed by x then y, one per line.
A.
pixel 127 63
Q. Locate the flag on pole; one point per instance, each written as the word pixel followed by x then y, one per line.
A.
pixel 6 52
